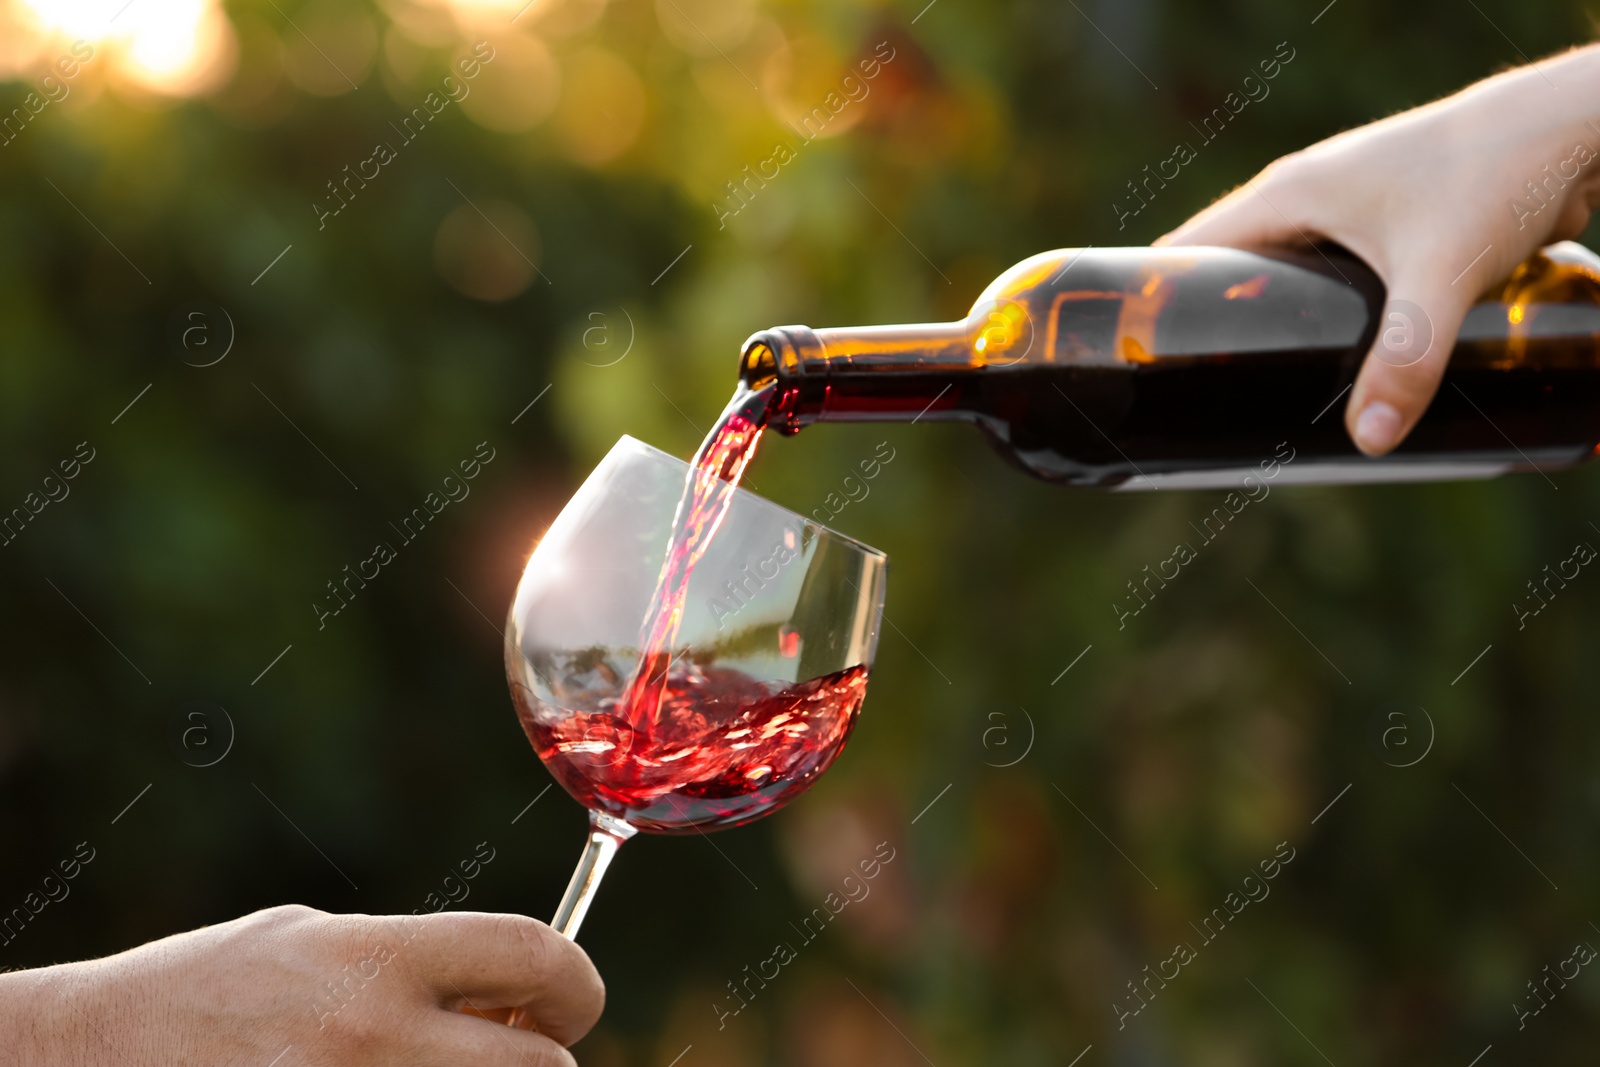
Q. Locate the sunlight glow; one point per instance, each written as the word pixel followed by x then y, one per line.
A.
pixel 474 13
pixel 560 17
pixel 502 6
pixel 173 47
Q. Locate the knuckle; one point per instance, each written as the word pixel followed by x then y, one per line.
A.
pixel 556 964
pixel 1293 185
pixel 284 919
pixel 590 1002
pixel 530 937
pixel 1289 172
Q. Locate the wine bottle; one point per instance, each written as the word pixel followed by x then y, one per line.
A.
pixel 1140 368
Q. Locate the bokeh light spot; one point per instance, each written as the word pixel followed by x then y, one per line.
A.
pixel 602 106
pixel 487 250
pixel 330 49
pixel 516 90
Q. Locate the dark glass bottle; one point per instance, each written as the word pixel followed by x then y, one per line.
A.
pixel 1187 367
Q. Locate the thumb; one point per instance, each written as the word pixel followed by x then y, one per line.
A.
pixel 485 961
pixel 1416 333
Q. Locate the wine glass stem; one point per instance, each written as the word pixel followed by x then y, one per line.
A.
pixel 606 835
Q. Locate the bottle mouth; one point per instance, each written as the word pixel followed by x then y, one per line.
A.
pixel 758 364
pixel 791 359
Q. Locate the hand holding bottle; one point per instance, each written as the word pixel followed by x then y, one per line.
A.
pixel 337 989
pixel 1442 202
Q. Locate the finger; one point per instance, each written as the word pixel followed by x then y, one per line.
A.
pixel 449 1039
pixel 495 961
pixel 1401 373
pixel 1250 215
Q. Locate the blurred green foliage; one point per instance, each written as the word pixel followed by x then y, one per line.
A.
pixel 1177 753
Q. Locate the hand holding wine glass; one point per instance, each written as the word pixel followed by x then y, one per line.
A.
pixel 332 990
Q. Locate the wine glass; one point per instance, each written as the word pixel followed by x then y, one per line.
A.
pixel 762 685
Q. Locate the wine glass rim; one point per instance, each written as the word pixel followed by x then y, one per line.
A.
pixel 851 542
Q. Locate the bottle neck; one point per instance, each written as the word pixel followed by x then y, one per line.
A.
pixel 1117 309
pixel 866 373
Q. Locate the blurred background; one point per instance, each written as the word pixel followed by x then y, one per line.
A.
pixel 270 362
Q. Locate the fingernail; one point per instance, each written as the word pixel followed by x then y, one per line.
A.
pixel 1377 428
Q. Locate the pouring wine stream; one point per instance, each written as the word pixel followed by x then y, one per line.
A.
pixel 714 475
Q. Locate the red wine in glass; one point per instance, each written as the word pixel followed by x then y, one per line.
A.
pixel 722 750
pixel 684 655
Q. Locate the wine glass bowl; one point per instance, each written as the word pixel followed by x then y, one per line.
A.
pixel 760 689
